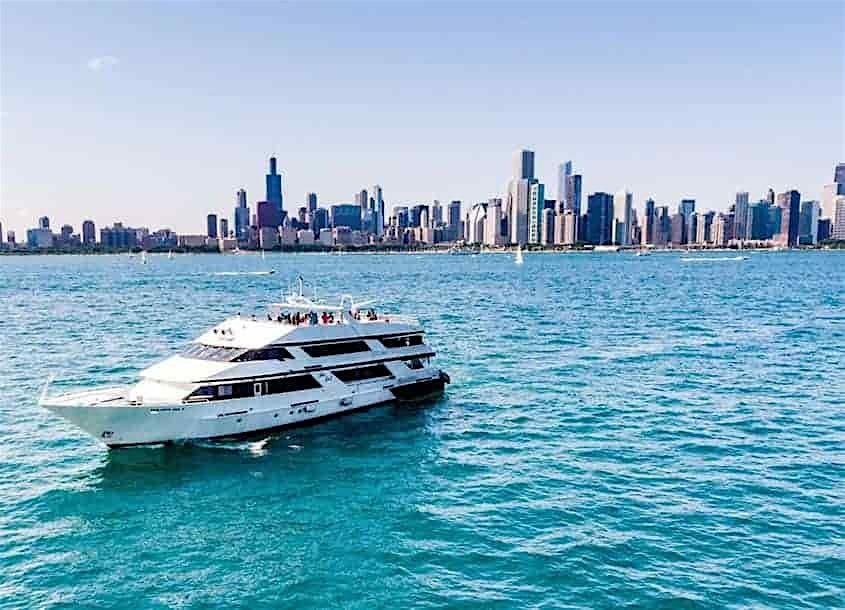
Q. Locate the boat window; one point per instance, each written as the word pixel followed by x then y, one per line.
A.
pixel 402 341
pixel 265 353
pixel 247 389
pixel 362 373
pixel 211 352
pixel 414 364
pixel 292 384
pixel 335 349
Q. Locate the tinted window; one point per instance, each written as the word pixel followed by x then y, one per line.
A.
pixel 335 349
pixel 211 352
pixel 245 389
pixel 362 373
pixel 402 341
pixel 265 353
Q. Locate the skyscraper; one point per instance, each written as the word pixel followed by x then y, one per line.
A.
pixel 808 224
pixel 211 225
pixel 89 233
pixel 839 173
pixel 268 215
pixel 454 218
pixel 44 223
pixel 686 207
pixel 564 173
pixel 789 204
pixel 224 227
pixel 838 228
pixel 519 192
pixel 493 223
pixel 622 202
pixel 523 164
pixel 741 216
pixel 436 213
pixel 599 229
pixel 311 202
pixel 770 196
pixel 346 215
pixel 648 222
pixel 757 223
pixel 378 198
pixel 536 204
pixel 241 216
pixel 274 188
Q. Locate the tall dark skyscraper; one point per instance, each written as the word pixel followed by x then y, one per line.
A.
pixel 89 235
pixel 211 225
pixel 241 217
pixel 741 216
pixel 839 173
pixel 599 219
pixel 311 202
pixel 790 206
pixel 274 187
pixel 648 222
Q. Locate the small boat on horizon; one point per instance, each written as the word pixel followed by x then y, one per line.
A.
pixel 518 259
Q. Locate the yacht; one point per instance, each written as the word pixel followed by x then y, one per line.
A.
pixel 304 361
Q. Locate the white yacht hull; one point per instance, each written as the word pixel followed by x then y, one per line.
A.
pixel 126 424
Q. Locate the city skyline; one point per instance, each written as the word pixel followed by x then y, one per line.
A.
pixel 98 123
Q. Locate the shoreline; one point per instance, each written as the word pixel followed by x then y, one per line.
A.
pixel 344 250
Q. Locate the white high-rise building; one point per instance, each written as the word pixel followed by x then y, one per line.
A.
pixel 378 198
pixel 564 198
pixel 622 225
pixel 838 228
pixel 829 195
pixel 493 223
pixel 477 223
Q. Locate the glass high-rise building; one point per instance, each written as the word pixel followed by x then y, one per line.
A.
pixel 89 233
pixel 599 229
pixel 523 164
pixel 789 204
pixel 311 202
pixel 741 216
pixel 241 216
pixel 346 215
pixel 211 225
pixel 274 187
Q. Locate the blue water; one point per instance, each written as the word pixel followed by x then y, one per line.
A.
pixel 620 432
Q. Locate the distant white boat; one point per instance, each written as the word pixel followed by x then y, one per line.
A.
pixel 170 255
pixel 143 257
pixel 518 259
pixel 642 253
pixel 262 255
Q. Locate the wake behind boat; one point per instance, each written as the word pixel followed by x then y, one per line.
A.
pixel 232 273
pixel 305 361
pixel 709 259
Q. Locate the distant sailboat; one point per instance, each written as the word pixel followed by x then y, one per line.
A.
pixel 262 255
pixel 170 255
pixel 143 257
pixel 518 259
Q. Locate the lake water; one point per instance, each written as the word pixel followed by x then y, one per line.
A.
pixel 620 431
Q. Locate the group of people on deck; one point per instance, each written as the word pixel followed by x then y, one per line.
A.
pixel 312 318
pixel 369 315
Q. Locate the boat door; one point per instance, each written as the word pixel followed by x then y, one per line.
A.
pixel 257 388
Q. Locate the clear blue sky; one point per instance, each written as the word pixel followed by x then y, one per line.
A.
pixel 155 113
